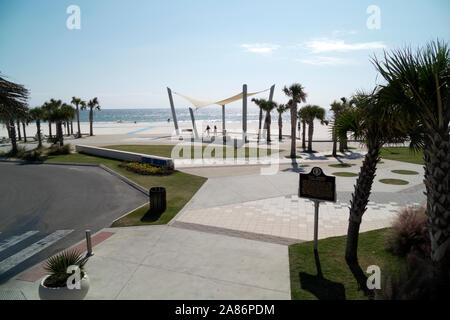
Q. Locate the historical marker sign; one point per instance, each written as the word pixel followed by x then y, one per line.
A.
pixel 317 186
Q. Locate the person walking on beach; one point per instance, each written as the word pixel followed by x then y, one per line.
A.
pixel 207 129
pixel 215 130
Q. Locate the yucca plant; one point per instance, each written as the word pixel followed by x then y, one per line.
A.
pixel 57 266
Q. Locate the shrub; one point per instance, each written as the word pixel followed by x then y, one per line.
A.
pixel 52 140
pixel 145 168
pixel 33 155
pixel 57 266
pixel 418 280
pixel 409 233
pixel 55 150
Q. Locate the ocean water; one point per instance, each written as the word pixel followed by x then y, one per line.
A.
pixel 162 114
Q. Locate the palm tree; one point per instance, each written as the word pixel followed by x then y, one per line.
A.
pixel 337 108
pixel 13 104
pixel 77 101
pixel 302 119
pixel 25 119
pixel 418 85
pixel 308 114
pixel 70 114
pixel 47 107
pixel 58 112
pixel 373 123
pixel 266 106
pixel 92 105
pixel 298 95
pixel 281 108
pixel 38 114
pixel 18 129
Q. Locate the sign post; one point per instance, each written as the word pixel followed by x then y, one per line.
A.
pixel 317 187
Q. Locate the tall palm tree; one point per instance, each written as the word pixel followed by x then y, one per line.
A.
pixel 57 113
pixel 373 123
pixel 18 129
pixel 266 106
pixel 47 107
pixel 281 108
pixel 92 105
pixel 70 114
pixel 38 114
pixel 337 108
pixel 13 104
pixel 309 113
pixel 25 119
pixel 298 95
pixel 76 102
pixel 418 85
pixel 302 119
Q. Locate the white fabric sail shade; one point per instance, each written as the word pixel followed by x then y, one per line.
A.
pixel 200 103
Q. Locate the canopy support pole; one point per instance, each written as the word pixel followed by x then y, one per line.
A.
pixel 194 127
pixel 244 113
pixel 223 120
pixel 174 115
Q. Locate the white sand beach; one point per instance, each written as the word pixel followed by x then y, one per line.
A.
pixel 321 132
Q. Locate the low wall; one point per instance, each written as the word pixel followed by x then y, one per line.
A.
pixel 126 156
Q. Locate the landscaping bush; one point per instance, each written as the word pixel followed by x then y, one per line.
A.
pixel 52 140
pixel 33 155
pixel 55 150
pixel 410 233
pixel 145 168
pixel 418 280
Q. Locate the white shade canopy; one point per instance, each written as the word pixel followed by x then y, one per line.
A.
pixel 200 103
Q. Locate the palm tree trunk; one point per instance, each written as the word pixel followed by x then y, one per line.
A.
pixel 293 130
pixel 360 198
pixel 12 133
pixel 38 126
pixel 334 154
pixel 18 130
pixel 59 133
pixel 280 127
pixel 310 135
pixel 437 183
pixel 78 121
pixel 24 132
pixel 49 129
pixel 91 120
pixel 260 121
pixel 303 135
pixel 71 126
pixel 267 125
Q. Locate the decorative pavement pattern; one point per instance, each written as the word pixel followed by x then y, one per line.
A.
pixel 287 218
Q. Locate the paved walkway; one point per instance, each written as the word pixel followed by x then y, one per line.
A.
pixel 163 262
pixel 268 208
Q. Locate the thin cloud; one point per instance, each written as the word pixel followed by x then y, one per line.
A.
pixel 261 48
pixel 327 45
pixel 323 61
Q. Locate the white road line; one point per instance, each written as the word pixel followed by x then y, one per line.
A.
pixel 15 239
pixel 36 247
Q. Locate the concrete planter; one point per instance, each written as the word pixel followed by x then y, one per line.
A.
pixel 64 293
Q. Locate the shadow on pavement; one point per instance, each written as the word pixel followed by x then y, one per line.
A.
pixel 321 287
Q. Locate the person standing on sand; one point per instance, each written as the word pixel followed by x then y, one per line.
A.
pixel 207 129
pixel 215 130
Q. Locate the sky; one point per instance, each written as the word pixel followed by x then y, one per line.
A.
pixel 127 52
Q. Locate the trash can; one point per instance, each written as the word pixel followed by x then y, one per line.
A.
pixel 157 200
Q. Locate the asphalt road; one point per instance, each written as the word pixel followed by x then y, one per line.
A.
pixel 46 208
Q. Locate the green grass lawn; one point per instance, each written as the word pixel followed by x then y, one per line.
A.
pixel 180 187
pixel 341 165
pixel 394 181
pixel 402 154
pixel 166 150
pixel 337 281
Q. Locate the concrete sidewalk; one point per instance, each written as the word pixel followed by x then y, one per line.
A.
pixel 163 262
